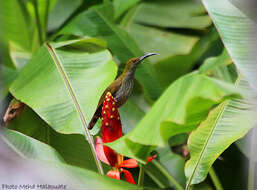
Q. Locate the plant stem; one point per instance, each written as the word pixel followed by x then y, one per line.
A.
pixel 141 175
pixel 77 106
pixel 167 175
pixel 215 179
pixel 251 169
pixel 40 34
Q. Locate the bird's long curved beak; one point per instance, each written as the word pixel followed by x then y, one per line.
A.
pixel 146 55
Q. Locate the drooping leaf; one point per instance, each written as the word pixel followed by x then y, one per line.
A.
pixel 170 69
pixel 15 23
pixel 217 66
pixel 211 63
pixel 224 125
pixel 7 76
pixel 28 147
pixel 238 33
pixel 63 85
pixel 180 109
pixel 167 44
pixel 50 164
pixel 73 148
pixel 175 14
pixel 120 6
pixel 19 56
pixel 61 11
pixel 98 22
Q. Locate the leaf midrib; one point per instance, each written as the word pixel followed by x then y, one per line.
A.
pixel 206 143
pixel 64 76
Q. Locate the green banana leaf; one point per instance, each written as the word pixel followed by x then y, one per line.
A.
pixel 98 22
pixel 60 12
pixel 46 160
pixel 28 147
pixel 211 63
pixel 120 6
pixel 154 26
pixel 63 84
pixel 152 38
pixel 224 125
pixel 238 32
pixel 173 14
pixel 15 23
pixel 7 76
pixel 217 66
pixel 73 148
pixel 180 109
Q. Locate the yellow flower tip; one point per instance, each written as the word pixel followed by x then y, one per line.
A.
pixel 108 94
pixel 108 99
pixel 106 124
pixel 113 109
pixel 113 103
pixel 106 106
pixel 118 118
pixel 111 116
pixel 104 112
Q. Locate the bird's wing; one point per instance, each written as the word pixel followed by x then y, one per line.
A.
pixel 112 88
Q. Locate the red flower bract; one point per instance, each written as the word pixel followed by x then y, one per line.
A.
pixel 111 127
pixel 111 131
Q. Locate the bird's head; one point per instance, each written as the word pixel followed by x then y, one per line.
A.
pixel 133 62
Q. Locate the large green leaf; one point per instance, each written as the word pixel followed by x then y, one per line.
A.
pixel 64 86
pixel 97 22
pixel 151 25
pixel 28 147
pixel 50 164
pixel 175 14
pixel 120 6
pixel 180 109
pixel 173 67
pixel 73 148
pixel 61 11
pixel 238 33
pixel 224 125
pixel 164 42
pixel 15 23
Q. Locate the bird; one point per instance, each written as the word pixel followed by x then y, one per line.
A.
pixel 121 88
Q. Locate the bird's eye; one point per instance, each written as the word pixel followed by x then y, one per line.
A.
pixel 134 61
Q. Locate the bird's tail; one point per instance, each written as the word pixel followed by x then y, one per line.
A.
pixel 94 118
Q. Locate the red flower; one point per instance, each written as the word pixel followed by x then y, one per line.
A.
pixel 111 131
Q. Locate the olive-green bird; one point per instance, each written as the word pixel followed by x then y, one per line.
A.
pixel 121 88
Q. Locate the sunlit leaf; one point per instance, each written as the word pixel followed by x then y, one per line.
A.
pixel 238 33
pixel 15 23
pixel 98 22
pixel 174 14
pixel 180 109
pixel 61 11
pixel 120 6
pixel 224 125
pixel 28 147
pixel 51 165
pixel 42 85
pixel 73 148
